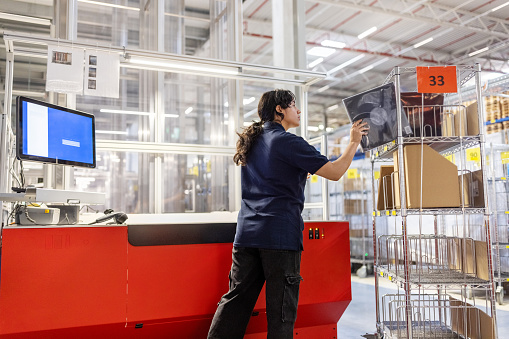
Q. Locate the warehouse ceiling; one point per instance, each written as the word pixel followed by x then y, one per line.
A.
pixel 368 37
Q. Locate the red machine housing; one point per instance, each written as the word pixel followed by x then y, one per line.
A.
pixel 91 281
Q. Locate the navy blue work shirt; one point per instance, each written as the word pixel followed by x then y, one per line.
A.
pixel 273 182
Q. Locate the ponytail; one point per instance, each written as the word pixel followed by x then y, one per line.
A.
pixel 246 140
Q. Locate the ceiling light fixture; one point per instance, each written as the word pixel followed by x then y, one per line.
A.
pixel 365 69
pixel 368 32
pixel 322 89
pixel 171 115
pixel 315 62
pixel 248 100
pixel 109 5
pixel 479 51
pixel 347 63
pixel 333 107
pixel 499 7
pixel 332 43
pixel 159 65
pixel 188 110
pixel 321 51
pixel 110 132
pixel 313 128
pixel 25 18
pixel 423 42
pixel 118 111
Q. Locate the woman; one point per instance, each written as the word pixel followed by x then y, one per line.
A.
pixel 268 241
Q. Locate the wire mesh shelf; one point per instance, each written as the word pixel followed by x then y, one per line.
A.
pixel 434 260
pixel 437 316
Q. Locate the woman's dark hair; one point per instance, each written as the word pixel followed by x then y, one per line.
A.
pixel 266 112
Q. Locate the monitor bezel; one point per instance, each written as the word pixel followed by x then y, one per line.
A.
pixel 19 134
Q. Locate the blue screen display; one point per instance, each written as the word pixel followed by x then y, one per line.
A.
pixel 59 135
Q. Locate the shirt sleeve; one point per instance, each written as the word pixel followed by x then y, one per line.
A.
pixel 305 156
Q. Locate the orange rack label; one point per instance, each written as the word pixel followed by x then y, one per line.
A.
pixel 437 79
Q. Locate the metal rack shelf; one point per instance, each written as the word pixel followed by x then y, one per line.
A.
pixel 446 254
pixel 443 145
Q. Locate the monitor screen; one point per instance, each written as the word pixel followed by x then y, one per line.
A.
pixel 377 107
pixel 54 134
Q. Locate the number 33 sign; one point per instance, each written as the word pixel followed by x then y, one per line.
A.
pixel 437 79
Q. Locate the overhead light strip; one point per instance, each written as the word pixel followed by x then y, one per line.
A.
pixel 424 42
pixel 183 66
pixel 499 7
pixel 25 18
pixel 479 51
pixel 347 63
pixel 366 33
pixel 109 5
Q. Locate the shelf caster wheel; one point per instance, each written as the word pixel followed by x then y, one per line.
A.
pixel 500 295
pixel 362 272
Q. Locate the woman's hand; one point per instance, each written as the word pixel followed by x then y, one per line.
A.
pixel 358 129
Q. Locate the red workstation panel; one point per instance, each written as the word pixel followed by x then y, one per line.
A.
pixel 82 282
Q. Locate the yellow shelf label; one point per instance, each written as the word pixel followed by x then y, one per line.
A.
pixel 374 213
pixel 387 213
pixel 504 155
pixel 474 154
pixel 506 212
pixel 393 212
pixel 352 173
pixel 390 278
pixel 493 121
pixel 506 246
pixel 503 178
pixel 377 175
pixel 378 213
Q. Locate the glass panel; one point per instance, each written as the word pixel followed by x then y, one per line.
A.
pixel 126 178
pixel 196 183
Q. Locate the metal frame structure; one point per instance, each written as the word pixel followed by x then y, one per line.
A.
pixel 421 263
pixel 302 79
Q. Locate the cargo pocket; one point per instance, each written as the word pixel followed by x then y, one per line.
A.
pixel 290 298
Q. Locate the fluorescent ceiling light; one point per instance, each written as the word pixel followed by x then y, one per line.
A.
pixel 479 51
pixel 171 115
pixel 365 69
pixel 226 104
pixel 109 5
pixel 110 132
pixel 188 110
pixel 321 51
pixel 313 128
pixel 332 43
pixel 499 7
pixel 178 65
pixel 329 129
pixel 366 33
pixel 315 62
pixel 248 100
pixel 25 18
pixel 333 107
pixel 347 63
pixel 118 111
pixel 324 88
pixel 423 42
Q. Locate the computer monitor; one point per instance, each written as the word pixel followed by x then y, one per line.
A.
pixel 54 134
pixel 378 108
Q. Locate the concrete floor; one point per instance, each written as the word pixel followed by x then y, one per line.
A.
pixel 359 318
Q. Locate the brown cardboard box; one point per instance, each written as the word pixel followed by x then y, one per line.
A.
pixel 472 119
pixel 460 122
pixel 385 184
pixel 355 206
pixel 447 124
pixel 481 260
pixel 469 321
pixel 473 192
pixel 440 187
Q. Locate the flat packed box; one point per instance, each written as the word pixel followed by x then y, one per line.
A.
pixel 426 168
pixel 385 188
pixel 473 190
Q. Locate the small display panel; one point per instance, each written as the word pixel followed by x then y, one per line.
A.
pixel 54 134
pixel 377 107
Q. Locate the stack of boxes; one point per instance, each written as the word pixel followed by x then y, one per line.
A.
pixel 497 108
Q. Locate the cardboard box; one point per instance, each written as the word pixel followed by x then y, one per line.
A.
pixel 438 178
pixel 472 119
pixel 471 322
pixel 385 187
pixel 355 206
pixel 460 122
pixel 448 124
pixel 473 192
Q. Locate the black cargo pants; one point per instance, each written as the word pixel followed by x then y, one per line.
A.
pixel 251 268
